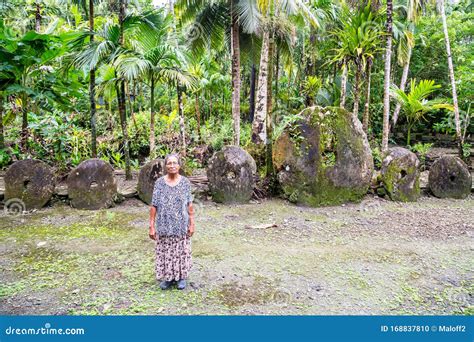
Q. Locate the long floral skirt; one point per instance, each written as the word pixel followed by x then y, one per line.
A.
pixel 173 257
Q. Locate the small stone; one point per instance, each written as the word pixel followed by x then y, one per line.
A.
pixel 41 244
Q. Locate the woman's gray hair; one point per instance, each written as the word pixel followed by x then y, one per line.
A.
pixel 171 155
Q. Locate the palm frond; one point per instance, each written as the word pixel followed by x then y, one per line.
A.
pixel 248 15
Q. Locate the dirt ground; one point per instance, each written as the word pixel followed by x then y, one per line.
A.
pixel 374 257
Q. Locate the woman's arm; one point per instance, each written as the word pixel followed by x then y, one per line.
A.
pixel 152 232
pixel 191 219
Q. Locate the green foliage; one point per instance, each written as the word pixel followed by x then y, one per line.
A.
pixel 311 87
pixel 245 134
pixel 415 104
pixel 58 138
pixel 466 150
pixel 219 137
pixel 421 150
pixel 45 74
pixel 286 123
pixel 5 158
pixel 377 156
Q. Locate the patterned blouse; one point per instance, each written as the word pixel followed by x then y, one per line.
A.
pixel 171 202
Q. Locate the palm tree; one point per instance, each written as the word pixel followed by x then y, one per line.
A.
pixel 457 121
pixel 154 58
pixel 120 88
pixel 274 19
pixel 368 79
pixel 405 46
pixel 273 22
pixel 386 92
pixel 210 19
pixel 92 74
pixel 358 40
pixel 197 70
pixel 236 84
pixel 414 104
pixel 111 47
pixel 92 88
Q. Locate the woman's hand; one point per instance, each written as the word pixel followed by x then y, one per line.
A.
pixel 191 229
pixel 152 233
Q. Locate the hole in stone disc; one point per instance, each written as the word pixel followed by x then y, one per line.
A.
pixel 452 178
pixel 94 185
pixel 403 173
pixel 26 183
pixel 230 175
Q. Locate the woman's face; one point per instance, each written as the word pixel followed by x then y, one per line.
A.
pixel 172 165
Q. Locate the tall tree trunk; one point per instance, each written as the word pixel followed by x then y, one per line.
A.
pixel 253 75
pixel 344 84
pixel 2 134
pixel 37 16
pixel 110 117
pixel 277 74
pixel 130 105
pixel 386 95
pixel 355 110
pixel 123 125
pixel 182 127
pixel 92 88
pixel 403 82
pixel 269 119
pixel 259 129
pixel 210 104
pixel 235 74
pixel 457 121
pixel 24 123
pixel 368 78
pixel 121 100
pixel 140 97
pixel 152 116
pixel 198 116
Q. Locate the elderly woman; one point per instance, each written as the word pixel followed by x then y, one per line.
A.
pixel 172 225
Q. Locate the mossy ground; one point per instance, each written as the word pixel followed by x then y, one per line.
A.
pixel 374 257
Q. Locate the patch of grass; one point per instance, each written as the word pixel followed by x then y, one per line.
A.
pixel 8 290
